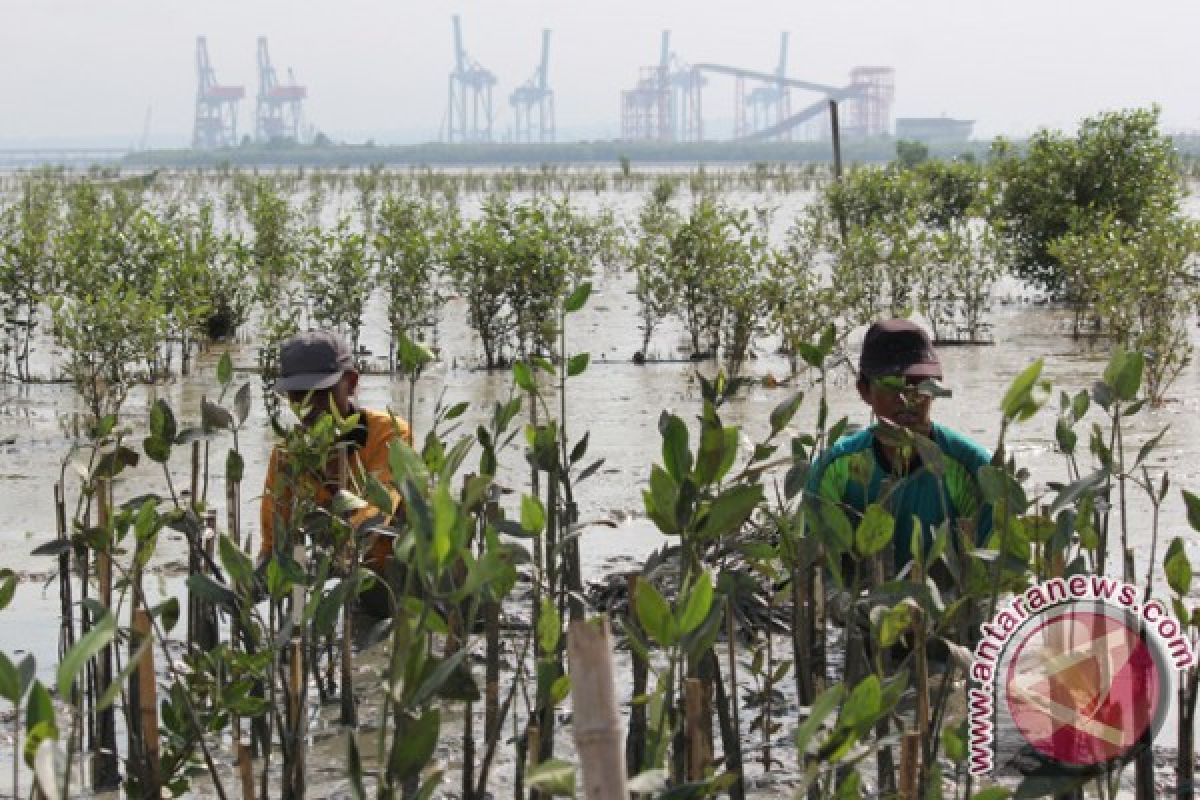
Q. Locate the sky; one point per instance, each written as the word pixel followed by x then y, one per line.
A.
pixel 94 71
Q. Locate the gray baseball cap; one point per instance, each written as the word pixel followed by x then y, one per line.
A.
pixel 312 360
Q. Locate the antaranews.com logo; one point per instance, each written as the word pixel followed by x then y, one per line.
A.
pixel 1073 674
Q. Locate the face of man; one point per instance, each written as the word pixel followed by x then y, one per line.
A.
pixel 323 401
pixel 897 400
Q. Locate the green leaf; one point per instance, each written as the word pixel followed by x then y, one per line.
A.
pixel 225 369
pixel 457 410
pixel 577 364
pixel 822 707
pixel 8 588
pixel 580 449
pixel 235 467
pixel 730 511
pixel 863 705
pixel 954 743
pixel 1193 509
pixel 533 515
pixel 549 626
pixel 677 458
pixel 438 678
pixel 237 564
pixel 783 413
pixel 523 376
pixel 578 298
pixel 168 612
pixel 204 587
pixel 874 531
pixel 414 743
pixel 893 622
pixel 89 645
pixel 1017 400
pixel 39 708
pixel 992 793
pixel 553 777
pixel 697 604
pixel 346 502
pixel 1124 373
pixel 654 614
pixel 1178 568
pixel 560 689
pixel 445 523
pixel 157 450
pixel 241 403
pixel 162 421
pixel 214 417
pixel 1068 495
pixel 10 681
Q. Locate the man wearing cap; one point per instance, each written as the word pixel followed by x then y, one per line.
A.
pixel 896 369
pixel 318 373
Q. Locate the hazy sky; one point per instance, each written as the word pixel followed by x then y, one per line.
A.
pixel 88 69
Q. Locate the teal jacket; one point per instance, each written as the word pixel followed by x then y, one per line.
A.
pixel 838 476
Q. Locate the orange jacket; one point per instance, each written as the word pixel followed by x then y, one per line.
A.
pixel 372 458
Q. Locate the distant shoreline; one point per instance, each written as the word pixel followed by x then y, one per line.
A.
pixel 559 154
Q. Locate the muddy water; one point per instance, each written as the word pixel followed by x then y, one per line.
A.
pixel 616 401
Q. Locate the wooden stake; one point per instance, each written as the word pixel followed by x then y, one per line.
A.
pixel 599 738
pixel 105 765
pixel 147 694
pixel 910 763
pixel 697 711
pixel 351 556
pixel 294 755
pixel 635 745
pixel 836 135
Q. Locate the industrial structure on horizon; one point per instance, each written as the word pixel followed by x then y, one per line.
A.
pixel 665 104
pixel 278 107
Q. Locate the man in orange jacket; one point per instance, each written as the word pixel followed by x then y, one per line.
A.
pixel 318 373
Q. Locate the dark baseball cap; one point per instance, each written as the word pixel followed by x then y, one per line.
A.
pixel 312 360
pixel 898 347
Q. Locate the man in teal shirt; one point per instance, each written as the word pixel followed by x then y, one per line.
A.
pixel 878 464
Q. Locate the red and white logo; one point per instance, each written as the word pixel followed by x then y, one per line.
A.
pixel 1083 687
pixel 1073 674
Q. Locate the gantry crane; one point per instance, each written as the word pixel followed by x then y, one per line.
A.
pixel 469 110
pixel 216 105
pixel 767 105
pixel 535 98
pixel 279 110
pixel 646 109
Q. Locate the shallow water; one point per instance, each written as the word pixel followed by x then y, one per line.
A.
pixel 616 401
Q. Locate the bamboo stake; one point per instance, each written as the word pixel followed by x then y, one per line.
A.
pixel 597 722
